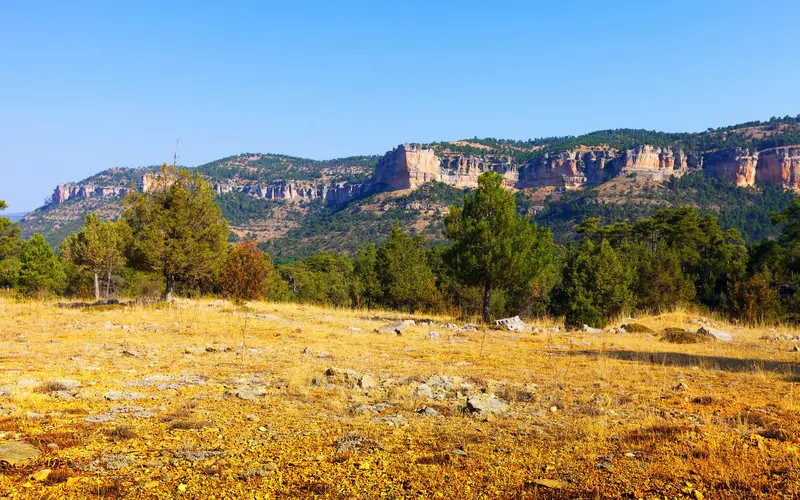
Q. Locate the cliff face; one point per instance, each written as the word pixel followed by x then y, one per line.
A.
pixel 736 164
pixel 408 167
pixel 64 192
pixel 779 166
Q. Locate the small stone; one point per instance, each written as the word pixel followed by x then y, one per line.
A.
pixel 271 466
pixel 459 452
pixel 367 382
pixel 52 446
pixel 553 409
pixel 550 483
pixel 681 387
pixel 17 452
pixel 41 475
pixel 182 488
pixel 423 391
pixel 262 429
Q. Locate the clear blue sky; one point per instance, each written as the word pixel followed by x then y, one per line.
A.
pixel 85 86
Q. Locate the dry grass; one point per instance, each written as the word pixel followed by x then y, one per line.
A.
pixel 609 415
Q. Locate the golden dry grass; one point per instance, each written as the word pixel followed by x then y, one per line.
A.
pixel 203 416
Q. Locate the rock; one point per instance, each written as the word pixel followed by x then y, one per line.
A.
pixel 324 355
pixel 271 466
pixel 246 394
pixel 717 334
pixel 795 349
pixel 514 324
pixel 397 329
pixel 32 415
pixel 682 386
pixel 115 395
pixel 433 336
pixel 423 391
pixel 308 351
pixel 550 483
pixel 589 329
pixel 17 452
pixel 427 411
pixel 367 382
pixel 483 405
pixel 352 442
pixel 41 475
pixel 353 329
pixel 459 452
pixel 66 384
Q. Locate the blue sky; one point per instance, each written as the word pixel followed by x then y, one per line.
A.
pixel 85 86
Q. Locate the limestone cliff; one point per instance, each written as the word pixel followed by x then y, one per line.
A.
pixel 64 192
pixel 736 164
pixel 779 166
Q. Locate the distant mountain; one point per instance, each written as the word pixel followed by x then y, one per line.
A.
pixel 15 217
pixel 294 206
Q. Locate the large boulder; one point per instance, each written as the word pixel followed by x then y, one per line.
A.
pixel 717 334
pixel 484 405
pixel 514 324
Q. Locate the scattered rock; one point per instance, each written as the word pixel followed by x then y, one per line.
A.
pixel 423 391
pixel 115 395
pixel 550 483
pixel 41 475
pixel 483 405
pixel 397 328
pixel 717 334
pixel 367 382
pixel 682 386
pixel 427 411
pixel 514 324
pixel 17 452
pixel 589 329
pixel 352 442
pixel 433 336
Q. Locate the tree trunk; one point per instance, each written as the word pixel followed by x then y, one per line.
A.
pixel 96 287
pixel 170 288
pixel 108 284
pixel 487 301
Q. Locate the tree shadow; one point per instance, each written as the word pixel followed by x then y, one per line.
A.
pixel 788 369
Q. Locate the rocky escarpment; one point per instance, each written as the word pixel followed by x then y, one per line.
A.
pixel 64 192
pixel 408 167
pixel 778 166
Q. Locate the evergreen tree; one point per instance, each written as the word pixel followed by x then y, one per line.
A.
pixel 9 249
pixel 492 246
pixel 97 247
pixel 40 271
pixel 406 280
pixel 595 285
pixel 177 229
pixel 365 269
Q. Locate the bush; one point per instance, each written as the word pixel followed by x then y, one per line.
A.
pixel 681 336
pixel 583 312
pixel 247 273
pixel 637 328
pixel 754 301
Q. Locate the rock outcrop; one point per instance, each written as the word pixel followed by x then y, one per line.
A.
pixel 64 192
pixel 779 166
pixel 736 164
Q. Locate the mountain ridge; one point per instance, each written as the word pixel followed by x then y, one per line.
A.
pixel 267 196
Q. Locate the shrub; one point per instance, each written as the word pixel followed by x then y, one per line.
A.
pixel 637 328
pixel 681 336
pixel 754 301
pixel 583 312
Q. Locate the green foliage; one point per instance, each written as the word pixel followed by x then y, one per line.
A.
pixel 9 249
pixel 595 285
pixel 681 336
pixel 177 230
pixel 40 272
pixel 365 268
pixel 492 246
pixel 97 248
pixel 323 279
pixel 754 301
pixel 407 283
pixel 238 207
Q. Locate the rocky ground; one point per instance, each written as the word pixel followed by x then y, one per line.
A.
pixel 208 400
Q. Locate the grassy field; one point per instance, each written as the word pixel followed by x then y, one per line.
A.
pixel 208 400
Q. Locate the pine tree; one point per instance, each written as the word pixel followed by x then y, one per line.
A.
pixel 40 271
pixel 492 246
pixel 97 247
pixel 177 230
pixel 402 268
pixel 365 269
pixel 9 249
